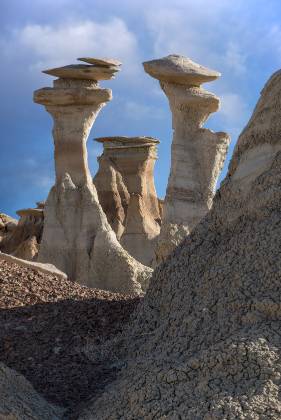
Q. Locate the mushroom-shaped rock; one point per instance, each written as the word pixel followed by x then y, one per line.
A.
pixel 178 69
pixel 198 154
pixel 77 237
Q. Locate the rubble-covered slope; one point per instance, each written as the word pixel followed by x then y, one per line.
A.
pixel 46 324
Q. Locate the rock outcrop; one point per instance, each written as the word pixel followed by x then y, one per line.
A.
pixel 24 240
pixel 198 154
pixel 205 344
pixel 77 238
pixel 7 225
pixel 20 401
pixel 126 191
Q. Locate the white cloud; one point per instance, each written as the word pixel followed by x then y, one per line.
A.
pixel 50 45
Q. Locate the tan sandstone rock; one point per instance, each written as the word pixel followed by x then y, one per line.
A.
pixel 205 343
pixel 24 240
pixel 126 190
pixel 77 238
pixel 7 225
pixel 198 154
pixel 20 401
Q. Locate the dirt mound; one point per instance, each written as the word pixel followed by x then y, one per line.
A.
pixel 205 343
pixel 46 322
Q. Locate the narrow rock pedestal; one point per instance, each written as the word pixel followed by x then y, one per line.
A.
pixel 198 154
pixel 77 237
pixel 126 190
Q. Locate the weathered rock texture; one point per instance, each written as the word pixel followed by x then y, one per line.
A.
pixel 7 225
pixel 126 191
pixel 20 401
pixel 24 240
pixel 198 154
pixel 77 237
pixel 206 342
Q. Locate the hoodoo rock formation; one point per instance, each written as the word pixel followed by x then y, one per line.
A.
pixel 77 237
pixel 198 154
pixel 7 226
pixel 205 343
pixel 126 191
pixel 23 242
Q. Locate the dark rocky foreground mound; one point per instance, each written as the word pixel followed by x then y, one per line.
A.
pixel 205 344
pixel 46 325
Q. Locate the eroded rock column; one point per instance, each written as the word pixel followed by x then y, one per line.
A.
pixel 198 154
pixel 77 237
pixel 126 190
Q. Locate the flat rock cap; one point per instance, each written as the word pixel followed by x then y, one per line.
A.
pixel 179 69
pixel 125 139
pixel 83 71
pixel 106 62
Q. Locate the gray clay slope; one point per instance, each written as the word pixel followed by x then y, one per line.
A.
pixel 205 343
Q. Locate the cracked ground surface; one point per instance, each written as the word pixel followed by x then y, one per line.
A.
pixel 205 343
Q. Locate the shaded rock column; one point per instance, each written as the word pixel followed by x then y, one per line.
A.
pixel 77 238
pixel 198 154
pixel 125 185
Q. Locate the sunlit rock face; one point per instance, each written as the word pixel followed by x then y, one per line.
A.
pixel 24 239
pixel 77 237
pixel 198 154
pixel 126 191
pixel 205 343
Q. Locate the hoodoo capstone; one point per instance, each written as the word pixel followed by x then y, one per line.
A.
pixel 198 154
pixel 77 237
pixel 205 343
pixel 126 191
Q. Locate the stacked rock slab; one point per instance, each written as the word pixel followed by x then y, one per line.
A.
pixel 205 344
pixel 24 240
pixel 77 238
pixel 198 154
pixel 127 194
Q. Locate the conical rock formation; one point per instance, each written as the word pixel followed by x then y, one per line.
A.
pixel 205 344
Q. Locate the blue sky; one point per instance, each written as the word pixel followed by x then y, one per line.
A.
pixel 241 39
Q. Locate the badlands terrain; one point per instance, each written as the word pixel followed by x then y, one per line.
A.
pixel 118 305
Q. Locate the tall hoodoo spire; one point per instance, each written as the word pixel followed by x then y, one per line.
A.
pixel 198 154
pixel 77 237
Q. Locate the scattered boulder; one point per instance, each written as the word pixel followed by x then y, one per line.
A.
pixel 205 343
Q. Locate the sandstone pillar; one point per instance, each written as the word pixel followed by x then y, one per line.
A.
pixel 198 154
pixel 126 190
pixel 77 237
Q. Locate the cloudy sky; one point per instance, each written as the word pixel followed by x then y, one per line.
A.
pixel 241 39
